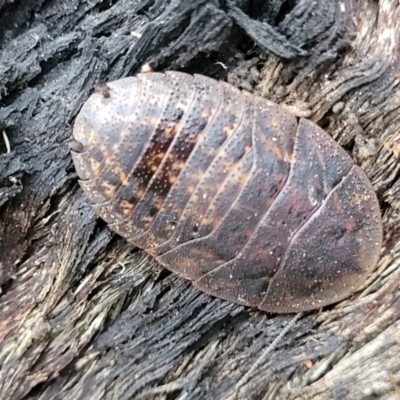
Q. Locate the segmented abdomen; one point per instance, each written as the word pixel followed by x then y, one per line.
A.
pixel 228 190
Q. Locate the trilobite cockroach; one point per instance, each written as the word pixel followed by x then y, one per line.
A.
pixel 228 190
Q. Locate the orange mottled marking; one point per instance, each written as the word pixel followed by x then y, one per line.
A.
pixel 106 155
pixel 229 167
pixel 227 130
pixel 109 189
pixel 211 221
pixel 171 130
pixel 241 178
pixel 191 189
pixel 93 138
pixel 183 105
pixel 288 157
pixel 197 175
pixel 127 207
pixel 178 165
pixel 158 204
pixel 248 233
pixel 140 192
pixel 197 138
pixel 206 114
pixel 159 156
pixel 350 224
pixel 123 178
pixel 154 121
pixel 276 151
pixel 212 152
pixel 95 166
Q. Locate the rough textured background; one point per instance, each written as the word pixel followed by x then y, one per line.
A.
pixel 83 315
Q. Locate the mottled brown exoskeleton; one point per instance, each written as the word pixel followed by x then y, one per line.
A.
pixel 228 190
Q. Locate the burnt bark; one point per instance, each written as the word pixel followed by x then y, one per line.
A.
pixel 84 315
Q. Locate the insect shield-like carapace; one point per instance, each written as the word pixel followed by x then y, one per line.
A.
pixel 228 190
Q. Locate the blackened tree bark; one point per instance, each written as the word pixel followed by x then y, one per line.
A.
pixel 83 315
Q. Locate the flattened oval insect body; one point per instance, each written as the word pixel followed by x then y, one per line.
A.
pixel 228 190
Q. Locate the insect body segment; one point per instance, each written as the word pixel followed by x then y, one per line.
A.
pixel 228 190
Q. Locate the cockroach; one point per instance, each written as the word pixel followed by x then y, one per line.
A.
pixel 228 190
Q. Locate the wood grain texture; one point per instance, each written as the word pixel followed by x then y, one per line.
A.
pixel 83 314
